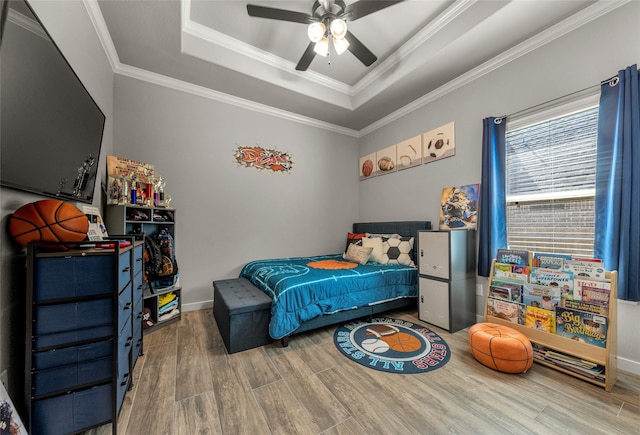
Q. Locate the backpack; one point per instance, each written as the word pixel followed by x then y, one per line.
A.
pixel 152 257
pixel 169 263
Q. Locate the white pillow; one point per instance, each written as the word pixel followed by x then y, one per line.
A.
pixel 377 252
pixel 358 254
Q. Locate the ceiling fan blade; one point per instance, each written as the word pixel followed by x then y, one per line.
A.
pixel 278 14
pixel 363 8
pixel 306 58
pixel 359 50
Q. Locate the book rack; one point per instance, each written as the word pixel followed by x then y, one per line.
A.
pixel 603 356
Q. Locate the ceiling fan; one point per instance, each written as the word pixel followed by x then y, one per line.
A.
pixel 328 19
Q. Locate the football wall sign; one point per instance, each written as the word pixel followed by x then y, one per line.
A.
pixel 260 158
pixel 424 148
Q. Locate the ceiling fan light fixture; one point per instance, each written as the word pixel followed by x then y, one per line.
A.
pixel 340 45
pixel 322 47
pixel 316 31
pixel 338 28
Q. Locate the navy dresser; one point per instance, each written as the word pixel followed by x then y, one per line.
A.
pixel 83 335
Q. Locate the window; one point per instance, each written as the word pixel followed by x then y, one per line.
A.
pixel 550 182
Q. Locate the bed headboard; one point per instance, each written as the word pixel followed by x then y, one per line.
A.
pixel 404 228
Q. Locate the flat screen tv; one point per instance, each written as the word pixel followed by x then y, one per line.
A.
pixel 50 127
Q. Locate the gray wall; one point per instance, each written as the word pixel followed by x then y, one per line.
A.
pixel 72 30
pixel 227 215
pixel 576 61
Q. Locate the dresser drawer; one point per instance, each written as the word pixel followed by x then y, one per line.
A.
pixel 72 412
pixel 50 319
pixel 68 337
pixel 125 308
pixel 63 378
pixel 68 277
pixel 72 355
pixel 137 260
pixel 124 270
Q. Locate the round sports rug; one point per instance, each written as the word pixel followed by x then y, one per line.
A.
pixel 392 345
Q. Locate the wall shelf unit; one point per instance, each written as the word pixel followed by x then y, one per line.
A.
pixel 150 221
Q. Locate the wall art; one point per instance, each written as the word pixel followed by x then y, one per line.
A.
pixel 410 152
pixel 386 160
pixel 368 168
pixel 459 207
pixel 264 159
pixel 438 143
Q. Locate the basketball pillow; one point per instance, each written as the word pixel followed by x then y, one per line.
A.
pixel 48 220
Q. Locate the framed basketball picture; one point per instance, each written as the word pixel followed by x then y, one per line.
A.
pixel 459 207
pixel 438 143
pixel 368 166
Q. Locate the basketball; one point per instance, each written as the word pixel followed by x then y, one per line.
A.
pixel 48 220
pixel 403 342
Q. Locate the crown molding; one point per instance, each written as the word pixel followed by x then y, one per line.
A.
pixel 583 17
pixel 201 91
pixel 568 25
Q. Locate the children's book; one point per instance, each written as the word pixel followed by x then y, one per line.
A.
pixel 502 309
pixel 513 256
pixel 589 307
pixel 510 273
pixel 554 278
pixel 592 291
pixel 585 327
pixel 549 260
pixel 585 269
pixel 506 291
pixel 540 319
pixel 542 296
pixel 512 268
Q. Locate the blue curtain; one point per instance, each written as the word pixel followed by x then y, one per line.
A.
pixel 492 218
pixel 617 214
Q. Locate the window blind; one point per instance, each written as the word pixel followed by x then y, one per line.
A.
pixel 550 184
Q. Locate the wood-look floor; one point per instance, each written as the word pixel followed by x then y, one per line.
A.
pixel 186 383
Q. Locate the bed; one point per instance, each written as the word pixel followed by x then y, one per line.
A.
pixel 305 298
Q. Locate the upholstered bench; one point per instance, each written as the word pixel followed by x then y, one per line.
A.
pixel 242 312
pixel 500 347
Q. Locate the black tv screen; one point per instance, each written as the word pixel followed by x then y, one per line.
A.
pixel 50 127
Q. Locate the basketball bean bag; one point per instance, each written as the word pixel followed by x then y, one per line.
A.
pixel 500 347
pixel 48 220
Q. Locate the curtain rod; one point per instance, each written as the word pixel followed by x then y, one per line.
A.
pixel 613 81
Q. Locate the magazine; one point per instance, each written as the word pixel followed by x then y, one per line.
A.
pixel 581 326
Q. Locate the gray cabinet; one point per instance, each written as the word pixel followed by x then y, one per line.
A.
pixel 446 267
pixel 81 339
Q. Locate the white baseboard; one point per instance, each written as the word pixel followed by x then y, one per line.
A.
pixel 629 366
pixel 194 306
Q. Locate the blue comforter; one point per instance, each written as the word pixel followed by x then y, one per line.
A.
pixel 301 293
